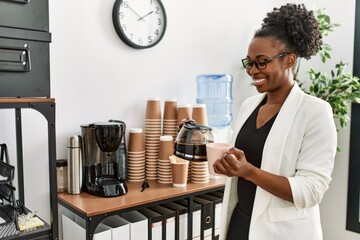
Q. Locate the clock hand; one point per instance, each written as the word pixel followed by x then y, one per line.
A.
pixel 142 18
pixel 135 13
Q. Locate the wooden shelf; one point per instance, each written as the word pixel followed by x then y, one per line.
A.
pixel 90 205
pixel 26 100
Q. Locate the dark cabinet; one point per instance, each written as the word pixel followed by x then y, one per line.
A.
pixel 24 63
pixel 25 14
pixel 24 48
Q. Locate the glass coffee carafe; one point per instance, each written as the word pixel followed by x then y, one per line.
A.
pixel 190 143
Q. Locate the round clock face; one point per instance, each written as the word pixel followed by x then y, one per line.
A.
pixel 139 23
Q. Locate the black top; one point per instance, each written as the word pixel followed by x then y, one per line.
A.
pixel 251 140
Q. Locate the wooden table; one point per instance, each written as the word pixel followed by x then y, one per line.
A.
pixel 94 209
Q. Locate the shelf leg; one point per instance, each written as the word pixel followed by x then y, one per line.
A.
pixel 190 216
pixel 19 152
pixel 53 180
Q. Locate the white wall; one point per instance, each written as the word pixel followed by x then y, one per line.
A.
pixel 96 77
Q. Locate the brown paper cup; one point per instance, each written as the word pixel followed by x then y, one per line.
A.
pixel 170 109
pixel 184 112
pixel 199 114
pixel 153 110
pixel 166 147
pixel 136 140
pixel 180 169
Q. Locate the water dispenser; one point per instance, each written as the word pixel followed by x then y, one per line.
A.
pixel 216 92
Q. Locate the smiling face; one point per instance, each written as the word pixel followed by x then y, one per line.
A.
pixel 277 76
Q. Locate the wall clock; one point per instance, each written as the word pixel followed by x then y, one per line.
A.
pixel 139 23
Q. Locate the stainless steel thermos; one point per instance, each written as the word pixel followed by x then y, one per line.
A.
pixel 74 170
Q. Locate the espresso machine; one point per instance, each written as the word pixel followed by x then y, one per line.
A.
pixel 104 152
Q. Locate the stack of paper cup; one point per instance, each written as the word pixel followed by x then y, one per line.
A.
pixel 199 172
pixel 166 149
pixel 170 125
pixel 199 114
pixel 189 172
pixel 152 135
pixel 136 155
pixel 184 112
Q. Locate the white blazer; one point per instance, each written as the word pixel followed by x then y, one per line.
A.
pixel 301 145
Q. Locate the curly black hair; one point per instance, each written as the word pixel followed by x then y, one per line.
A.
pixel 295 26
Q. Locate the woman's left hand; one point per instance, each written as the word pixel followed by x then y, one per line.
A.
pixel 233 163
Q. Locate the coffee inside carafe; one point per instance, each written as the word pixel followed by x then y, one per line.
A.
pixel 190 151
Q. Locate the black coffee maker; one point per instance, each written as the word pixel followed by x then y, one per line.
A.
pixel 105 158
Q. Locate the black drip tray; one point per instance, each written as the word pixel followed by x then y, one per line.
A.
pixel 108 187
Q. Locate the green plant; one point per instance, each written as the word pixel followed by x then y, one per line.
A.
pixel 325 27
pixel 338 88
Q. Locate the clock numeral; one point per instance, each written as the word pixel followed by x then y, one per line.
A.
pixel 159 21
pixel 123 27
pixel 157 32
pixel 157 10
pixel 140 41
pixel 150 39
pixel 131 35
pixel 125 4
pixel 121 15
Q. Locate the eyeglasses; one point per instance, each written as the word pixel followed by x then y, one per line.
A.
pixel 260 64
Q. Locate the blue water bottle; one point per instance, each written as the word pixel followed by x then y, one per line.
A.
pixel 216 92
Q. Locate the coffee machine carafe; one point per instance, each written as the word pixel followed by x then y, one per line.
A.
pixel 104 158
